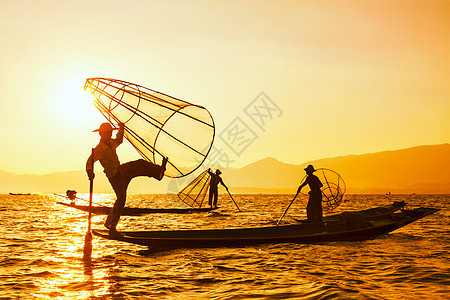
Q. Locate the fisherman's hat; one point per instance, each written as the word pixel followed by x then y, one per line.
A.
pixel 104 127
pixel 310 169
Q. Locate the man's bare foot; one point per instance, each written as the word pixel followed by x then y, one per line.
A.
pixel 163 168
pixel 164 162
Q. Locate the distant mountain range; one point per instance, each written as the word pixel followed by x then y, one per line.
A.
pixel 421 169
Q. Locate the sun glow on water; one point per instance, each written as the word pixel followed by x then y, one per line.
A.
pixel 42 249
pixel 75 278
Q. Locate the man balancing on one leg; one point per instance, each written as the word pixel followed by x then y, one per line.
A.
pixel 213 187
pixel 119 175
pixel 314 207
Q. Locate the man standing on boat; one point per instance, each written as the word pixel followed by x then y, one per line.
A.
pixel 314 207
pixel 213 187
pixel 119 175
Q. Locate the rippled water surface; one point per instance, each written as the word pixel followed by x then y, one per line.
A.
pixel 41 245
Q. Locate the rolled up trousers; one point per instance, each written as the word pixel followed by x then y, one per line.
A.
pixel 120 182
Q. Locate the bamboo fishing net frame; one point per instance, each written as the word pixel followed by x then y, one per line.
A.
pixel 113 94
pixel 195 192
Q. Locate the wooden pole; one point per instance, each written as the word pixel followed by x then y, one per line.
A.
pixel 287 209
pixel 233 200
pixel 87 251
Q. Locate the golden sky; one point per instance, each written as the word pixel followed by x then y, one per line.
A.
pixel 350 77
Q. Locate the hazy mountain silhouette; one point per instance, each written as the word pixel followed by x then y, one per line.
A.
pixel 4 173
pixel 75 180
pixel 422 169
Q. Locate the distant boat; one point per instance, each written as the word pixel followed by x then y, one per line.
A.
pixel 136 211
pixel 20 194
pixel 353 226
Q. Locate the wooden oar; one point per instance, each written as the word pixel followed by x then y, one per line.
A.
pixel 287 209
pixel 87 251
pixel 233 200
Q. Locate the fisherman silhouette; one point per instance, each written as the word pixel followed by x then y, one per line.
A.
pixel 72 195
pixel 213 187
pixel 314 207
pixel 119 175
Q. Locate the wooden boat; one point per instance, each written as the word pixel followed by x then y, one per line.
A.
pixel 350 227
pixel 136 211
pixel 370 213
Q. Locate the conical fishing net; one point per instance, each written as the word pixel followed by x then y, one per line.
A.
pixel 156 124
pixel 333 189
pixel 195 192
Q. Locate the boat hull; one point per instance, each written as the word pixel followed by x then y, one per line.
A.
pixel 308 233
pixel 136 211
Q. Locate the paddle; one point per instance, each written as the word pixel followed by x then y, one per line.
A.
pixel 87 251
pixel 287 209
pixel 233 200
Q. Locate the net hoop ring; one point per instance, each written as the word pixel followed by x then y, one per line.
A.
pixel 336 190
pixel 161 129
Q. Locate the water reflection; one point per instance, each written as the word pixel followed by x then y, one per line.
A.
pixel 42 248
pixel 73 278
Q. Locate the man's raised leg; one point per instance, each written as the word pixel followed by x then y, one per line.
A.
pixel 142 167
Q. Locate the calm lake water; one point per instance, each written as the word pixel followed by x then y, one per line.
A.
pixel 41 246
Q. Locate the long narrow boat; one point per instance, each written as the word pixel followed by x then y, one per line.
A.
pixel 350 227
pixel 370 213
pixel 136 211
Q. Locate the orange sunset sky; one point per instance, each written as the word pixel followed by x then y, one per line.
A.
pixel 350 77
